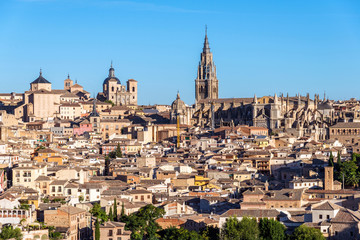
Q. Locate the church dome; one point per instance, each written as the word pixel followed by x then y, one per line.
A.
pixel 40 79
pixel 325 105
pixel 111 76
pixel 178 103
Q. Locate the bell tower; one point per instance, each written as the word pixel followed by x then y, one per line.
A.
pixel 206 83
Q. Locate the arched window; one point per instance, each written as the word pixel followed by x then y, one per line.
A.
pixel 112 89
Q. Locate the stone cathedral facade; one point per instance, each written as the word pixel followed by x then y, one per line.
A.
pixel 298 115
pixel 117 93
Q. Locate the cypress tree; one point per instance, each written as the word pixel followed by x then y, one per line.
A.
pixel 339 159
pixel 107 165
pixel 115 210
pixel 331 159
pixel 97 230
pixel 111 215
pixel 122 209
pixel 118 151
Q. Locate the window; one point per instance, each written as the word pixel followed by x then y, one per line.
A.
pixel 327 216
pixel 119 232
pixel 53 189
pixel 320 216
pixel 110 233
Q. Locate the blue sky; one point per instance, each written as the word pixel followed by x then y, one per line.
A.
pixel 259 47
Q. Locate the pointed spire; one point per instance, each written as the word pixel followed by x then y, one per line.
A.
pixel 206 48
pixel 275 98
pixel 94 113
pixel 111 64
pixel 68 76
pixel 178 95
pixel 255 99
pixel 40 72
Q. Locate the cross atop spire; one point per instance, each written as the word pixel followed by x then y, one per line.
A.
pixel 40 72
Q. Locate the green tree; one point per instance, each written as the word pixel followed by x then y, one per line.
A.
pixel 349 170
pixel 142 224
pixel 331 159
pixel 97 229
pixel 271 229
pixel 53 235
pixel 339 159
pixel 81 198
pixel 210 233
pixel 111 215
pixel 8 232
pixel 246 229
pixel 98 212
pixel 109 101
pixel 112 154
pixel 230 229
pixel 115 211
pixel 118 151
pixel 304 232
pixel 173 233
pixel 107 166
pixel 122 209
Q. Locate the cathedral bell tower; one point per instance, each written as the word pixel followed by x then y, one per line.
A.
pixel 206 83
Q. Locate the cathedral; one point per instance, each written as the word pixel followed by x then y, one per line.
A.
pixel 116 93
pixel 299 115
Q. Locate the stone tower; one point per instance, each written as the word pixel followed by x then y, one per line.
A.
pixel 68 83
pixel 206 83
pixel 329 178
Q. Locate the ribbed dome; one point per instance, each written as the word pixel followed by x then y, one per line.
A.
pixel 178 103
pixel 324 105
pixel 111 76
